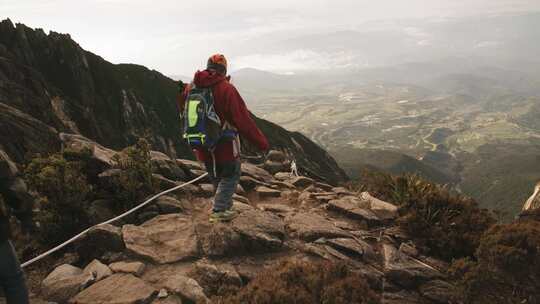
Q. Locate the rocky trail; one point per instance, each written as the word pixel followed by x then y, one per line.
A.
pixel 177 256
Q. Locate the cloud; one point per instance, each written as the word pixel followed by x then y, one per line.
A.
pixel 297 60
pixel 487 44
pixel 176 36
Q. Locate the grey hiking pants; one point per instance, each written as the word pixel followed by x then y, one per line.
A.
pixel 225 180
pixel 11 276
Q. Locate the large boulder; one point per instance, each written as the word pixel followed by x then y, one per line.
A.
pixel 341 191
pixel 187 164
pixel 64 282
pixel 265 192
pixel 353 247
pixel 207 190
pixel 187 288
pixel 134 268
pixel 405 270
pixel 21 133
pixel 214 278
pixel 249 183
pixel 310 227
pixel 382 209
pixel 276 156
pixel 101 157
pixel 118 288
pixel 355 208
pixel 260 230
pixel 256 173
pixel 251 231
pixel 301 181
pixel 99 240
pixel 167 167
pixel 283 176
pixel 168 204
pixel 275 167
pixel 98 270
pixel 164 239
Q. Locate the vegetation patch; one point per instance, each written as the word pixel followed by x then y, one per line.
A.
pixel 300 282
pixel 443 224
pixel 134 179
pixel 65 191
pixel 507 268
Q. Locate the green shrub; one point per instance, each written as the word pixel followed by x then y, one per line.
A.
pixel 507 269
pixel 302 282
pixel 443 224
pixel 59 178
pixel 134 182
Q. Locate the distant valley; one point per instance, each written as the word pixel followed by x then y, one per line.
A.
pixel 475 128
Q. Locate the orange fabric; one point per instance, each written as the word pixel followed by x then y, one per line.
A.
pixel 218 59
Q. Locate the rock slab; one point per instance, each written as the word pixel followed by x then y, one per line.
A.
pixel 164 239
pixel 118 288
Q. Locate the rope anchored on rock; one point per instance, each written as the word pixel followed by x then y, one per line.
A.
pixel 143 204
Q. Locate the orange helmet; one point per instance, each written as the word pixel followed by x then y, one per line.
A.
pixel 218 62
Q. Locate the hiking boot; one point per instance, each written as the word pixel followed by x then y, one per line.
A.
pixel 222 216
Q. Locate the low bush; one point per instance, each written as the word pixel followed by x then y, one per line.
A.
pixel 64 190
pixel 443 224
pixel 134 180
pixel 302 282
pixel 507 269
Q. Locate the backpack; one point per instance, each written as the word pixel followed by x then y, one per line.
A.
pixel 202 126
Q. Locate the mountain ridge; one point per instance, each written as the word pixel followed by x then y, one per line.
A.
pixel 56 82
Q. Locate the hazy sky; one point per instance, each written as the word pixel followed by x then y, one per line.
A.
pixel 176 37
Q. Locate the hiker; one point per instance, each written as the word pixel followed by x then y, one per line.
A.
pixel 213 131
pixel 15 195
pixel 294 169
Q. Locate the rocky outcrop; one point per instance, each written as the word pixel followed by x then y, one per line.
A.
pixel 252 231
pixel 189 260
pixel 187 288
pixel 134 268
pixel 118 288
pixel 65 282
pixel 21 133
pixel 356 208
pixel 100 240
pixel 164 239
pixel 405 270
pixel 102 157
pixel 309 227
pixel 533 202
pixel 98 270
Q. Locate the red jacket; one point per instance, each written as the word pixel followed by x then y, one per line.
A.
pixel 230 107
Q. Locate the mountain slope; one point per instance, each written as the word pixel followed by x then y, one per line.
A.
pixel 53 80
pixel 387 161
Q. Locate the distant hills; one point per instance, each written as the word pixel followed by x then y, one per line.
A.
pixel 356 160
pixel 455 120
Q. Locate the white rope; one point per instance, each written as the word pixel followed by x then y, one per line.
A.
pixel 41 256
